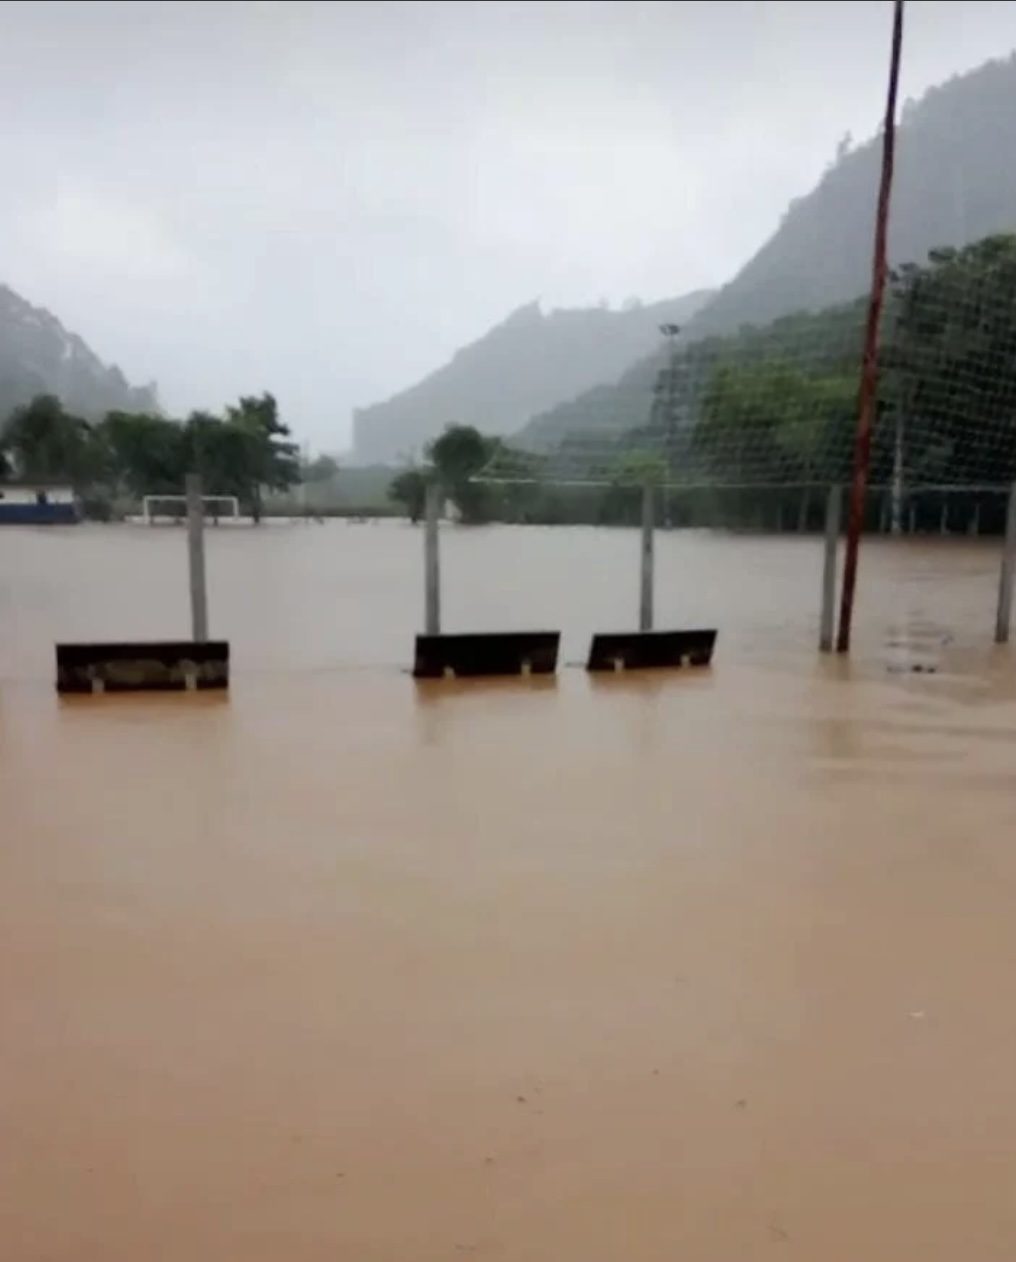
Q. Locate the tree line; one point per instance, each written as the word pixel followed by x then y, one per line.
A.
pixel 486 479
pixel 748 429
pixel 780 404
pixel 243 452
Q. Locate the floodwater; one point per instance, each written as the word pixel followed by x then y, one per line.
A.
pixel 707 965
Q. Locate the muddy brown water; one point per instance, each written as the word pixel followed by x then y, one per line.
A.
pixel 705 966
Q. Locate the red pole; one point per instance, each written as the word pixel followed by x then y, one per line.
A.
pixel 869 363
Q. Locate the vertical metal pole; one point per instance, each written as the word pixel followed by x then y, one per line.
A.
pixel 646 569
pixel 196 558
pixel 869 363
pixel 431 562
pixel 834 504
pixel 1005 579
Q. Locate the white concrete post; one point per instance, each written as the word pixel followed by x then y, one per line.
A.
pixel 832 535
pixel 646 568
pixel 196 558
pixel 431 561
pixel 1003 617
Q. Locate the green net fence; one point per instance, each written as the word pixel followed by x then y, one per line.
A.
pixel 735 423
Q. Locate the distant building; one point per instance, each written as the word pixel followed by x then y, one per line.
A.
pixel 29 503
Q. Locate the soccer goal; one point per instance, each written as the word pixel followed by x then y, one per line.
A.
pixel 174 507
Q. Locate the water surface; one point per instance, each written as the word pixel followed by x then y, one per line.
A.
pixel 704 965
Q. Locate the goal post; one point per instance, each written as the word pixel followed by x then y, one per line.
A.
pixel 174 507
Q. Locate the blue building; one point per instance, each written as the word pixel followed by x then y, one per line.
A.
pixel 37 503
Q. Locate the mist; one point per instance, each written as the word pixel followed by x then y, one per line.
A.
pixel 325 201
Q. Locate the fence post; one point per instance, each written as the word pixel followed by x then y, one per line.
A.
pixel 897 487
pixel 431 561
pixel 196 558
pixel 1005 579
pixel 646 568
pixel 832 534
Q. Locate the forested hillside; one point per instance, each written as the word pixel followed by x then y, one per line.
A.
pixel 953 186
pixel 775 406
pixel 520 367
pixel 39 356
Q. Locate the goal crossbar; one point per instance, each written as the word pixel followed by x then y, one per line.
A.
pixel 215 506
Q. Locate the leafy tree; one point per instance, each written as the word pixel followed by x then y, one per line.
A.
pixel 143 454
pixel 769 421
pixel 637 467
pixel 321 469
pixel 628 472
pixel 458 455
pixel 44 441
pixel 409 488
pixel 226 454
pixel 148 455
pixel 950 363
pixel 947 382
pixel 272 457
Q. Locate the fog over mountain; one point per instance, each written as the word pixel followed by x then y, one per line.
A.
pixel 821 253
pixel 39 356
pixel 522 366
pixel 327 200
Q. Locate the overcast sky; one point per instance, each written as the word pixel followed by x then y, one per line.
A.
pixel 325 200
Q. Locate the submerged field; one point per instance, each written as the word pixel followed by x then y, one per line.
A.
pixel 709 965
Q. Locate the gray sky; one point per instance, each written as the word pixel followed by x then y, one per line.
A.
pixel 325 200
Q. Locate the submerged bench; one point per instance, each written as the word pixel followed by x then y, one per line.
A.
pixel 486 653
pixel 162 666
pixel 635 650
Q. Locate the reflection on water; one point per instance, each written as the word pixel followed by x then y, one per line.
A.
pixel 705 964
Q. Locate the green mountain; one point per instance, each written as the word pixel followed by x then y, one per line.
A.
pixel 522 366
pixel 952 187
pixel 39 356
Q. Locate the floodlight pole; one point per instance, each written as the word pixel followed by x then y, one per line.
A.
pixel 869 364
